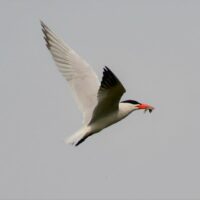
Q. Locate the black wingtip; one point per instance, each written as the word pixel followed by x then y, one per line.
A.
pixel 109 79
pixel 44 26
pixel 42 23
pixel 45 32
pixel 107 69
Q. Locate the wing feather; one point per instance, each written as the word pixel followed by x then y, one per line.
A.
pixel 109 95
pixel 80 76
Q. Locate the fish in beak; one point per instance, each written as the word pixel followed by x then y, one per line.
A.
pixel 146 107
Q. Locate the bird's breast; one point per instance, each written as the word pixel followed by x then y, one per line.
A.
pixel 111 118
pixel 106 121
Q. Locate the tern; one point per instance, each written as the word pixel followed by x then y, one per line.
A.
pixel 98 101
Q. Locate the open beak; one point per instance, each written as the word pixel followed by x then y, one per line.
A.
pixel 146 107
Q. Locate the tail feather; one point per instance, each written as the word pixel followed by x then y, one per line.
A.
pixel 78 137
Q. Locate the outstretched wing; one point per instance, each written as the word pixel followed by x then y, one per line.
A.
pixel 80 76
pixel 109 95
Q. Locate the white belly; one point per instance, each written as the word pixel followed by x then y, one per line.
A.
pixel 111 118
pixel 106 121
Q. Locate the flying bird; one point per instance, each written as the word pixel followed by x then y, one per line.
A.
pixel 98 101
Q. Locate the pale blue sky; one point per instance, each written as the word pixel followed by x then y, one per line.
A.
pixel 153 47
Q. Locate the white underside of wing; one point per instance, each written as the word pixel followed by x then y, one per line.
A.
pixel 80 76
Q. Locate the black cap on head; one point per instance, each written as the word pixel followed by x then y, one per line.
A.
pixel 131 101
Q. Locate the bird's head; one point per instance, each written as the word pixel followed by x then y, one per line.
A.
pixel 140 106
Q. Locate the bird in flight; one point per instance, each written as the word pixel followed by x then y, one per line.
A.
pixel 98 101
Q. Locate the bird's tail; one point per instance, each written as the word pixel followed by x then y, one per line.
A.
pixel 78 137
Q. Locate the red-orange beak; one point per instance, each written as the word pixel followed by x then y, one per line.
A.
pixel 145 107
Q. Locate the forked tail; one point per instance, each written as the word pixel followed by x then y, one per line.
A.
pixel 78 137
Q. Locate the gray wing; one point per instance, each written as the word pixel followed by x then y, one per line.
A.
pixel 109 95
pixel 80 76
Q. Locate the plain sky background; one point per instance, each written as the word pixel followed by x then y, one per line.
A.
pixel 154 49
